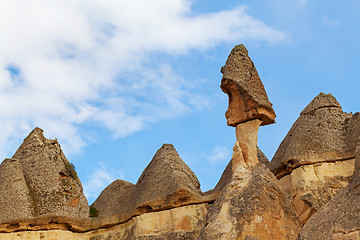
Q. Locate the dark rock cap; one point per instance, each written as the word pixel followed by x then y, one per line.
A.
pixel 39 182
pixel 323 132
pixel 167 182
pixel 321 101
pixel 247 96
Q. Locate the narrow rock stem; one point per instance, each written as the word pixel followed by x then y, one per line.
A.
pixel 246 135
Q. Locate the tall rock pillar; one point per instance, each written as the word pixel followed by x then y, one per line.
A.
pixel 251 204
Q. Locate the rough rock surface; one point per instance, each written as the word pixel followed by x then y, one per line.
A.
pixel 262 158
pixel 247 97
pixel 179 223
pixel 316 158
pixel 322 133
pixel 228 172
pixel 167 182
pixel 339 218
pixel 39 183
pixel 312 186
pixel 251 206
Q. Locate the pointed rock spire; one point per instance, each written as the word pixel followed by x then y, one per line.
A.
pixel 167 182
pixel 317 137
pixel 43 182
pixel 316 158
pixel 321 101
pixel 247 97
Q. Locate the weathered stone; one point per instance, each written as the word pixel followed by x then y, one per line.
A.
pixel 167 182
pixel 251 206
pixel 316 158
pixel 246 135
pixel 312 186
pixel 262 158
pixel 228 172
pixel 339 218
pixel 179 223
pixel 38 184
pixel 247 97
pixel 322 133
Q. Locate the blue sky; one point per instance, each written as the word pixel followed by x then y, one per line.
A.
pixel 114 80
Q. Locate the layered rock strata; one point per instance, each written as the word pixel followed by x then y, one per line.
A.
pixel 339 218
pixel 179 223
pixel 316 158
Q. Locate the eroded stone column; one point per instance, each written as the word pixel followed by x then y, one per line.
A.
pixel 249 106
pixel 246 136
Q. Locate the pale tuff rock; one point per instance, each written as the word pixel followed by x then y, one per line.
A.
pixel 312 186
pixel 316 158
pixel 179 223
pixel 339 218
pixel 251 206
pixel 247 97
pixel 228 172
pixel 38 184
pixel 322 133
pixel 167 182
pixel 246 135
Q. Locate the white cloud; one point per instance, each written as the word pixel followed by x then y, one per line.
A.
pixel 330 22
pixel 98 180
pixel 68 63
pixel 219 154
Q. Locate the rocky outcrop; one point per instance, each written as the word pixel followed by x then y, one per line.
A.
pixel 167 182
pixel 247 97
pixel 339 218
pixel 179 223
pixel 322 133
pixel 251 204
pixel 312 175
pixel 228 173
pixel 316 158
pixel 39 188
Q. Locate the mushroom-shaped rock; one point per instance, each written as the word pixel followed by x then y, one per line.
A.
pixel 316 158
pixel 167 182
pixel 247 97
pixel 38 185
pixel 339 218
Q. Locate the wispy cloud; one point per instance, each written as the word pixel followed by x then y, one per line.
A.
pixel 64 64
pixel 330 22
pixel 219 154
pixel 302 2
pixel 98 180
